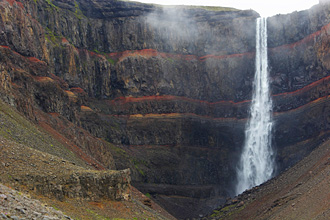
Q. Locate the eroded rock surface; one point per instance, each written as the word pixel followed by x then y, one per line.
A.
pixel 168 87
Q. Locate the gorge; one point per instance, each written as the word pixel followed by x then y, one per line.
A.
pixel 164 91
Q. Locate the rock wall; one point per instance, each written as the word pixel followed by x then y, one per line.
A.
pixel 86 185
pixel 54 177
pixel 170 87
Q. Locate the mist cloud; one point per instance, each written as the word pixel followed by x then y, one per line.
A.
pixel 173 23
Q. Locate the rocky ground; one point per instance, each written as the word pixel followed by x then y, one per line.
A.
pixel 19 163
pixel 301 192
pixel 37 169
pixel 15 205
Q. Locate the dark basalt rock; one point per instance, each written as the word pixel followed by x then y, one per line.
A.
pixel 170 87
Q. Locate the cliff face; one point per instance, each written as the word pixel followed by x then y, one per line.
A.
pixel 169 87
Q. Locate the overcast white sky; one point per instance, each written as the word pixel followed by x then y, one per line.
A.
pixel 263 7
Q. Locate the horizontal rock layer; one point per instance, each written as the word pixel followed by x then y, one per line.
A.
pixel 163 84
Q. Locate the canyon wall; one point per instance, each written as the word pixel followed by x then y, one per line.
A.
pixel 164 90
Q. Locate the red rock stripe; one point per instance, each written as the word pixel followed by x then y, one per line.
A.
pixel 305 40
pixel 11 2
pixel 148 53
pixel 153 53
pixel 181 115
pixel 125 100
pixel 301 108
pixel 184 115
pixel 308 87
pixel 31 59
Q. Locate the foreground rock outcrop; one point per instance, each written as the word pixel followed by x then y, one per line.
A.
pixel 57 178
pixel 14 205
pixel 61 185
pixel 164 91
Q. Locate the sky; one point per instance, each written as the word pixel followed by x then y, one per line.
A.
pixel 265 8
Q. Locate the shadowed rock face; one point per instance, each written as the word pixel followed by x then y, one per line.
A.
pixel 170 87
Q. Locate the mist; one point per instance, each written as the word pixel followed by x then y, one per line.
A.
pixel 174 26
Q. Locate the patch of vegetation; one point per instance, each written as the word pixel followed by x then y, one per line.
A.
pixel 227 211
pixel 97 216
pixel 29 134
pixel 137 165
pixel 57 209
pixel 117 150
pixel 211 8
pixel 170 59
pixel 112 61
pixel 96 51
pixel 51 37
pixel 148 195
pixel 78 13
pixel 50 3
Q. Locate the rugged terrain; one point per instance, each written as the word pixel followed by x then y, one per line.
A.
pixel 64 182
pixel 163 91
pixel 301 192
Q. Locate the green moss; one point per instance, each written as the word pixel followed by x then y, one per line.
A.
pixel 78 13
pixel 137 165
pixel 148 195
pixel 55 208
pixel 113 62
pixel 227 208
pixel 139 170
pixel 50 3
pixel 110 60
pixel 170 59
pixel 52 38
pixel 97 216
pixel 215 213
pixel 96 51
pixel 227 211
pixel 117 150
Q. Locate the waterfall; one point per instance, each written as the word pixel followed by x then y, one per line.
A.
pixel 256 164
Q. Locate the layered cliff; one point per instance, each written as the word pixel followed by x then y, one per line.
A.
pixel 163 90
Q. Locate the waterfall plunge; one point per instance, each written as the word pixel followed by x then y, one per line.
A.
pixel 256 164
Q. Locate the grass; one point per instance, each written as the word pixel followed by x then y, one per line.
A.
pixel 211 8
pixel 137 165
pixel 227 211
pixel 14 127
pixel 117 150
pixel 54 207
pixel 97 216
